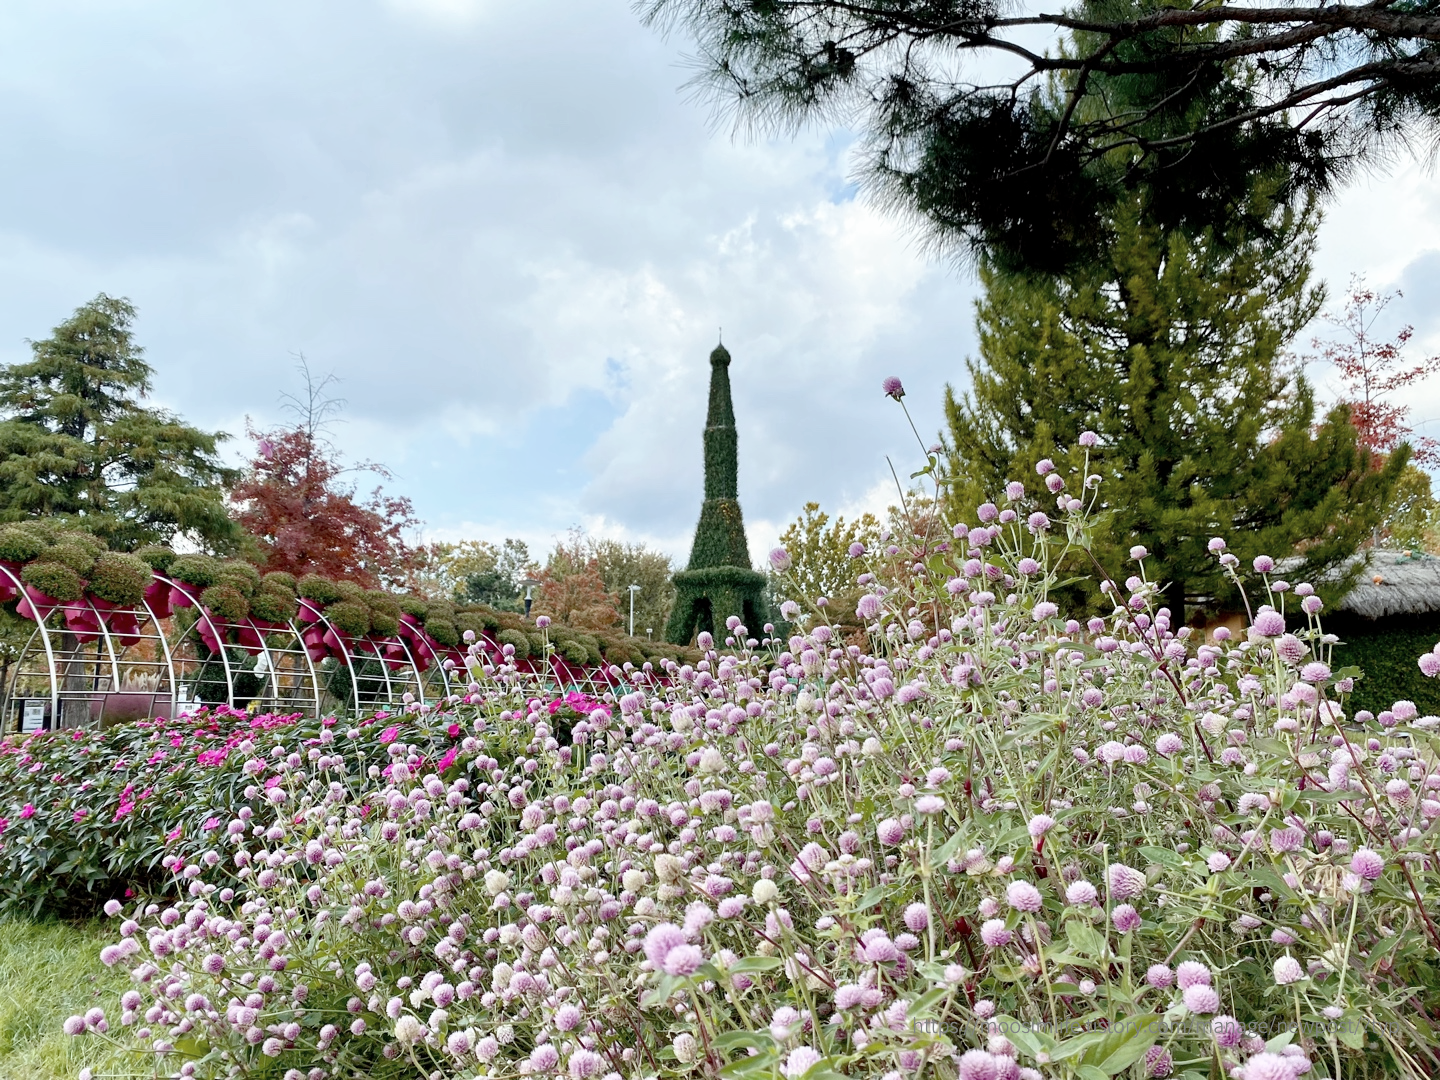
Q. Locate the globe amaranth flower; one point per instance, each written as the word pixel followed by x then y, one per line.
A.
pixel 893 388
pixel 1268 1066
pixel 917 917
pixel 1190 973
pixel 1288 970
pixel 1201 999
pixel 1125 918
pixel 1022 896
pixel 659 942
pixel 1367 864
pixel 977 1065
pixel 1269 623
pixel 1081 893
pixel 994 934
pixel 1169 744
pixel 780 559
pixel 1159 976
pixel 1226 1031
pixel 1126 882
pixel 800 1060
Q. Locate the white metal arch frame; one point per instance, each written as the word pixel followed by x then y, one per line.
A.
pixel 55 665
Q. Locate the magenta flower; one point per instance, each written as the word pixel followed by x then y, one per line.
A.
pixel 893 388
pixel 1201 999
pixel 1022 896
pixel 1125 918
pixel 1269 624
pixel 1367 864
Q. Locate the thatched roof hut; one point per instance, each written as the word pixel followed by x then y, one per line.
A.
pixel 1393 583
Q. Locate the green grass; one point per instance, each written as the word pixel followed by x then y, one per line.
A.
pixel 48 971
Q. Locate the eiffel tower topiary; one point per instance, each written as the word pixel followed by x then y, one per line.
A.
pixel 719 580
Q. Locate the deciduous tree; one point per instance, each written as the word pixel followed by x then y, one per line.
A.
pixel 1373 372
pixel 305 519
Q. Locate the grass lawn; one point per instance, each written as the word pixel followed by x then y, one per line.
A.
pixel 48 971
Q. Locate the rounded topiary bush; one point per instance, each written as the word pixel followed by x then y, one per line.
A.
pixel 443 631
pixel 321 590
pixel 516 638
pixel 348 590
pixel 120 578
pixel 279 578
pixel 575 652
pixel 349 617
pixel 55 580
pixel 273 604
pixel 198 570
pixel 20 545
pixel 77 557
pixel 384 623
pixel 241 576
pixel 412 607
pixel 157 556
pixel 225 602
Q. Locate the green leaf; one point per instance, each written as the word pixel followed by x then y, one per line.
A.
pixel 1091 1072
pixel 749 1040
pixel 1085 939
pixel 748 964
pixel 873 896
pixel 1164 856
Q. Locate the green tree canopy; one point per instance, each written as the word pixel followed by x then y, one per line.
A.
pixel 1174 352
pixel 820 559
pixel 76 442
pixel 1014 131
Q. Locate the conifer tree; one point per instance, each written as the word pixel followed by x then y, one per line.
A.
pixel 76 442
pixel 1174 351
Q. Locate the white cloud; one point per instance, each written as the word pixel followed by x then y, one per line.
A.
pixel 514 239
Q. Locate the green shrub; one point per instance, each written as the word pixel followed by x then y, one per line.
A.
pixel 442 631
pixel 321 590
pixel 157 556
pixel 240 576
pixel 120 579
pixel 225 602
pixel 198 570
pixel 348 590
pixel 279 578
pixel 20 545
pixel 516 638
pixel 384 623
pixel 349 617
pixel 77 557
pixel 1386 650
pixel 412 607
pixel 273 603
pixel 55 580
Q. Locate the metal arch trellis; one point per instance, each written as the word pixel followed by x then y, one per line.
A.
pixel 86 664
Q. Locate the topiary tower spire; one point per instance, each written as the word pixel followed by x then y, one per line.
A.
pixel 719 580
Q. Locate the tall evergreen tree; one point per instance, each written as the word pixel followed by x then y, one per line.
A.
pixel 76 442
pixel 1173 350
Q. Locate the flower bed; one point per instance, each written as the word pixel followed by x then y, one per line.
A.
pixel 1001 843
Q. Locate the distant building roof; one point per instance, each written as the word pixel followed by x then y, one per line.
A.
pixel 1394 583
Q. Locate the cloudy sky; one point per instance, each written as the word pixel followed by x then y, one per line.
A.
pixel 514 239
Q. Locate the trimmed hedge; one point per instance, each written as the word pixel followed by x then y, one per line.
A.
pixel 1385 649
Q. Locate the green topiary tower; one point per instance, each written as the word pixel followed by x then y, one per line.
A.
pixel 719 581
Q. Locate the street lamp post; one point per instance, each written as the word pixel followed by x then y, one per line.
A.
pixel 633 590
pixel 529 584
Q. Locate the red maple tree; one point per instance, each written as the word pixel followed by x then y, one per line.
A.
pixel 1373 370
pixel 305 519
